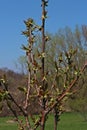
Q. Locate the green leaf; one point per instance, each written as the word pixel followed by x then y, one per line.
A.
pixel 2 81
pixel 46 3
pixel 44 16
pixel 9 104
pixel 56 66
pixel 26 33
pixel 68 93
pixel 22 89
pixel 60 58
pixel 25 48
pixel 75 72
pixel 29 23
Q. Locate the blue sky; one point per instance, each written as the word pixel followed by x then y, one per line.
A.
pixel 61 13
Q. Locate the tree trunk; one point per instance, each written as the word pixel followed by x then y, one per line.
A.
pixel 43 120
pixel 56 117
pixel 55 123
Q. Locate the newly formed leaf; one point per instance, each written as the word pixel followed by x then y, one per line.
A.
pixel 22 89
pixel 75 72
pixel 25 48
pixel 29 22
pixel 60 58
pixel 45 2
pixel 2 81
pixel 9 104
pixel 56 66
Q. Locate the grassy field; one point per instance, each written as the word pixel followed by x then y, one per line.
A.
pixel 69 121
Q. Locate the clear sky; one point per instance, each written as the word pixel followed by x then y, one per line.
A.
pixel 61 13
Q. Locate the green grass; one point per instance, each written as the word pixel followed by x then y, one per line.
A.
pixel 69 121
pixel 6 125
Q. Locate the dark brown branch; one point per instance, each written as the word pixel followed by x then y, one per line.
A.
pixel 13 100
pixel 43 36
pixel 15 115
